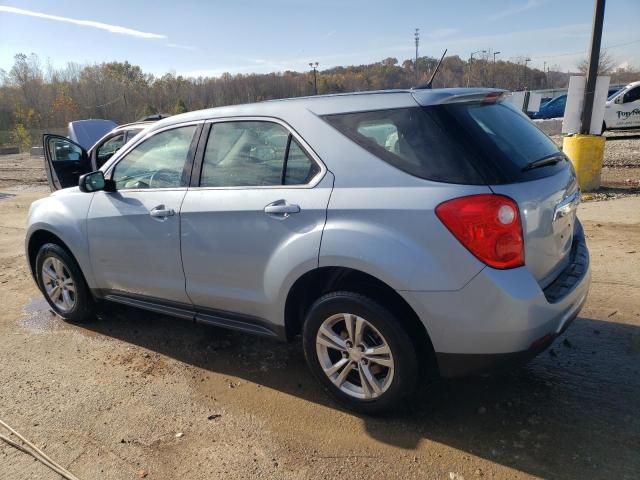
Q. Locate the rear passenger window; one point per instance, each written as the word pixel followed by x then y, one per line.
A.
pixel 300 168
pixel 254 154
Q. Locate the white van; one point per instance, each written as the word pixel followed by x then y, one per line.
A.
pixel 623 108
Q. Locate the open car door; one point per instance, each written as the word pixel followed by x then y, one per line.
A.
pixel 64 161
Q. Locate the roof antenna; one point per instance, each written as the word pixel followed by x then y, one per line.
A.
pixel 428 85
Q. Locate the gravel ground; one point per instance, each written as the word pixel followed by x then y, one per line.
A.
pixel 622 149
pixel 139 395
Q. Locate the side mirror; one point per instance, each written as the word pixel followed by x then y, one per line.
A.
pixel 619 99
pixel 95 181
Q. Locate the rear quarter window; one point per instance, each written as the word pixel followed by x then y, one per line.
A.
pixel 411 139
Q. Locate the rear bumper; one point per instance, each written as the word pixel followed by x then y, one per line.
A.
pixel 502 316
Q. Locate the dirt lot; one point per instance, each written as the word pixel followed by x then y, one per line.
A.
pixel 137 394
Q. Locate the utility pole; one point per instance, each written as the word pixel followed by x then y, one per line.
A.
pixel 314 67
pixel 494 69
pixel 417 38
pixel 544 70
pixel 471 63
pixel 524 73
pixel 586 151
pixel 594 60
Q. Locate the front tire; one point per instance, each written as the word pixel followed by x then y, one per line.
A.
pixel 63 285
pixel 359 352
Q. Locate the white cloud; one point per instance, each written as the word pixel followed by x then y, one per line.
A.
pixel 84 23
pixel 508 12
pixel 181 47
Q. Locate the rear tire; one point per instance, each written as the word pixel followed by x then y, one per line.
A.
pixel 62 284
pixel 359 352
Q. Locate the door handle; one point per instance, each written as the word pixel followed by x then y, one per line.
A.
pixel 161 212
pixel 281 208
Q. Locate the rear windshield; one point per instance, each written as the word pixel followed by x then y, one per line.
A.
pixel 467 143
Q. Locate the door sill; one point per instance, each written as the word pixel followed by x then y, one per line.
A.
pixel 218 318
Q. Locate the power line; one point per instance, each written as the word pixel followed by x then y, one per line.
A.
pixel 582 52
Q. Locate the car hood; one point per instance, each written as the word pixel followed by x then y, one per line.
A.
pixel 65 192
pixel 87 132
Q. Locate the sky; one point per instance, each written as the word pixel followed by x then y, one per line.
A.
pixel 209 37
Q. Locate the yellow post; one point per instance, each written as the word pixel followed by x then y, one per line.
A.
pixel 586 152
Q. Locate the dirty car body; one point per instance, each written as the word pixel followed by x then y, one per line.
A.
pixel 394 230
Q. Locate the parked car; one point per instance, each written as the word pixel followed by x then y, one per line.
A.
pixel 399 232
pixel 613 89
pixel 70 157
pixel 86 132
pixel 622 109
pixel 555 107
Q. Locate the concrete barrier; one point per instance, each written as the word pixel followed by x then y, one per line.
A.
pixel 37 152
pixel 9 150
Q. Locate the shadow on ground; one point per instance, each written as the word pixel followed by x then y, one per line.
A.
pixel 570 413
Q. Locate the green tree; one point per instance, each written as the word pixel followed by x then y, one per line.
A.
pixel 149 110
pixel 179 107
pixel 21 137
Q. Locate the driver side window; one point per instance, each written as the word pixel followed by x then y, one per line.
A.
pixel 157 162
pixel 632 95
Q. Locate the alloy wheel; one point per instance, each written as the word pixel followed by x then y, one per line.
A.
pixel 58 284
pixel 355 356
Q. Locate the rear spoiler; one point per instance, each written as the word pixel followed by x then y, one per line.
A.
pixel 462 95
pixel 483 97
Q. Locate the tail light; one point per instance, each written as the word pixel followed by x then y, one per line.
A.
pixel 488 226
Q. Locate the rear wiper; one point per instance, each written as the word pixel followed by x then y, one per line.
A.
pixel 544 161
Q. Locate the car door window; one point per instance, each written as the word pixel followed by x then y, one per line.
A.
pixel 300 169
pixel 132 133
pixel 108 148
pixel 254 154
pixel 63 150
pixel 632 95
pixel 158 162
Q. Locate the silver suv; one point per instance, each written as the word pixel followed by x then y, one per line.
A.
pixel 398 232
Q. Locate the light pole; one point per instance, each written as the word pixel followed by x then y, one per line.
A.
pixel 314 67
pixel 471 62
pixel 524 73
pixel 494 68
pixel 417 38
pixel 592 72
pixel 544 70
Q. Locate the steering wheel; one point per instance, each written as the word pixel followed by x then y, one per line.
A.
pixel 163 178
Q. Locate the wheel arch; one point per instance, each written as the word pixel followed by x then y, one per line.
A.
pixel 317 282
pixel 39 238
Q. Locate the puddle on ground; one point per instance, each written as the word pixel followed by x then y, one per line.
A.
pixel 38 317
pixel 6 195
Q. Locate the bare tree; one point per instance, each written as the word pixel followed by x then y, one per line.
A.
pixel 605 64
